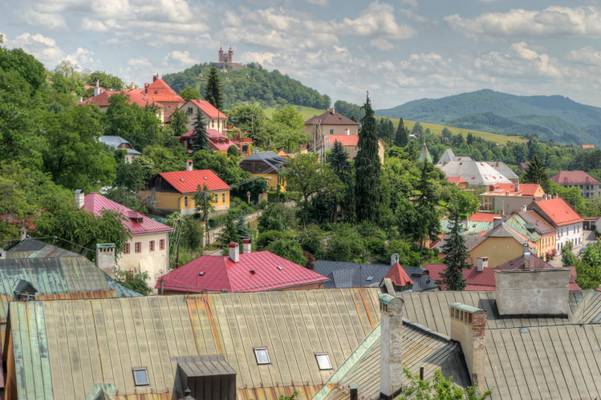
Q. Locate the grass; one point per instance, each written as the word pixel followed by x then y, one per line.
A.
pixel 308 112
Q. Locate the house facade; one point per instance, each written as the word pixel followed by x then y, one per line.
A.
pixel 530 224
pixel 117 143
pixel 147 249
pixel 266 165
pixel 588 186
pixel 568 223
pixel 214 118
pixel 506 199
pixel 176 191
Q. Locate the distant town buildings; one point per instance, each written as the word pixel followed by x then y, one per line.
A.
pixel 266 165
pixel 117 143
pixel 474 173
pixel 588 186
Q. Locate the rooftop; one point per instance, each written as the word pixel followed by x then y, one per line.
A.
pixel 557 211
pixel 189 181
pixel 330 117
pixel 575 177
pixel 345 140
pixel 208 109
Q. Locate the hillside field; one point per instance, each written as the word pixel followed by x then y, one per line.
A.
pixel 308 112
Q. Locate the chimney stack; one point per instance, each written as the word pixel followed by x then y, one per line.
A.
pixel 79 198
pixel 353 392
pixel 246 246
pixel 391 366
pixel 234 252
pixel 481 264
pixel 97 90
pixel 468 327
pixel 496 222
pixel 105 257
pixel 527 256
pixel 189 165
pixel 394 259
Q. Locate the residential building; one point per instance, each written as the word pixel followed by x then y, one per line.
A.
pixel 266 165
pixel 530 224
pixel 504 169
pixel 588 186
pixel 176 191
pixel 147 249
pixel 156 94
pixel 510 198
pixel 220 142
pixel 475 173
pixel 350 143
pixel 214 118
pixel 344 274
pixel 587 146
pixel 117 143
pixel 568 223
pixel 245 271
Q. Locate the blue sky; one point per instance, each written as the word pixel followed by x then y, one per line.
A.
pixel 399 50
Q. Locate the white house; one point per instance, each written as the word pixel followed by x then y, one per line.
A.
pixel 568 223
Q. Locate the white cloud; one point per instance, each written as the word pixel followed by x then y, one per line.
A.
pixel 410 3
pixel 42 47
pixel 264 58
pixel 377 20
pixel 586 55
pixel 81 59
pixel 181 57
pixel 541 61
pixel 555 20
pixel 321 3
pixel 139 62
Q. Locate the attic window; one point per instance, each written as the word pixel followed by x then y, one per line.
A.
pixel 370 278
pixel 140 376
pixel 262 356
pixel 323 361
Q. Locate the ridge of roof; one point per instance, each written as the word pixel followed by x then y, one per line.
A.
pixel 189 181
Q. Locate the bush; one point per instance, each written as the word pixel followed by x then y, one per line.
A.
pixel 288 248
pixel 346 244
pixel 265 238
pixel 311 240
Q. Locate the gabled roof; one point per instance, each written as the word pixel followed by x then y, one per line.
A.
pixel 575 177
pixel 504 169
pixel 474 280
pixel 483 217
pixel 256 271
pixel 160 92
pixel 447 155
pixel 33 248
pixel 135 222
pixel 538 223
pixel 512 189
pixel 208 109
pixel 345 140
pixel 557 211
pixel 399 276
pixel 189 181
pixel 330 117
pixel 475 173
pixel 116 141
pixel 263 162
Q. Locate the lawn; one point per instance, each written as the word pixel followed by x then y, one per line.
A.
pixel 308 112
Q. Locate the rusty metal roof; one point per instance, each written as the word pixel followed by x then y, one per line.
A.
pixel 63 348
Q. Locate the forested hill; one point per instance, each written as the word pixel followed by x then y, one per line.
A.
pixel 552 118
pixel 251 83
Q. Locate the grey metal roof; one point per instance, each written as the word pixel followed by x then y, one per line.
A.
pixel 33 248
pixel 206 365
pixel 475 173
pixel 447 156
pixel 503 169
pixel 264 162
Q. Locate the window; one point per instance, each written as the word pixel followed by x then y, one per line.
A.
pixel 185 201
pixel 332 131
pixel 190 110
pixel 262 356
pixel 223 197
pixel 162 244
pixel 126 248
pixel 140 376
pixel 138 247
pixel 323 361
pixel 152 245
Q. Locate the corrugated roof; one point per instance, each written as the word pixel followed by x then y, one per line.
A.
pixel 71 345
pixel 33 248
pixel 189 181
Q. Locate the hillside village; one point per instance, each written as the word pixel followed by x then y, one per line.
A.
pixel 163 244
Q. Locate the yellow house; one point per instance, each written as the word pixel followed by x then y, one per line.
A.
pixel 175 191
pixel 266 165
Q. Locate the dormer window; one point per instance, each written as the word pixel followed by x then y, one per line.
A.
pixel 262 356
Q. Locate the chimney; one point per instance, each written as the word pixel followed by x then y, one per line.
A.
pixel 496 222
pixel 246 246
pixel 105 257
pixel 353 392
pixel 2 253
pixel 394 259
pixel 527 256
pixel 391 325
pixel 468 327
pixel 481 264
pixel 234 251
pixel 155 77
pixel 146 88
pixel 79 198
pixel 97 90
pixel 189 165
pixel 23 232
pixel 524 208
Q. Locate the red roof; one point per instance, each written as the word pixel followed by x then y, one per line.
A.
pixel 136 223
pixel 529 189
pixel 207 108
pixel 558 211
pixel 484 280
pixel 576 177
pixel 345 140
pixel 160 92
pixel 399 276
pixel 483 217
pixel 523 189
pixel 189 181
pixel 255 272
pixel 455 179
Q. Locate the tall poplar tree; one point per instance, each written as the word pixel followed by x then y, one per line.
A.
pixel 213 90
pixel 341 166
pixel 455 253
pixel 401 138
pixel 367 169
pixel 201 137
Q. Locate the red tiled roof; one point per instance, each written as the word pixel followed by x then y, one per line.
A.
pixel 398 276
pixel 135 222
pixel 524 189
pixel 345 140
pixel 257 271
pixel 101 100
pixel 455 179
pixel 483 217
pixel 558 211
pixel 529 189
pixel 217 140
pixel 160 92
pixel 189 181
pixel 210 110
pixel 576 177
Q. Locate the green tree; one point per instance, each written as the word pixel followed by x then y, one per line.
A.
pixel 427 211
pixel 455 253
pixel 105 80
pixel 568 259
pixel 401 137
pixel 418 130
pixel 179 122
pixel 439 388
pixel 341 166
pixel 201 137
pixel 190 93
pixel 231 231
pixel 134 175
pixel 588 270
pixel 140 126
pixel 202 200
pixel 249 117
pixel 367 169
pixel 134 280
pixel 289 249
pixel 278 217
pixel 213 92
pixel 536 172
pixel 225 166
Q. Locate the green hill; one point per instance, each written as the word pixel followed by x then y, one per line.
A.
pixel 251 83
pixel 552 118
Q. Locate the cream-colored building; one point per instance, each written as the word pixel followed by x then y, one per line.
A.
pixel 330 123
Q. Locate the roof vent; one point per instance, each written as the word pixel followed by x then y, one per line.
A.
pixel 252 272
pixel 201 273
pixel 280 268
pixel 370 278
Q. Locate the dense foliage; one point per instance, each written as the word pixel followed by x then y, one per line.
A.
pixel 439 388
pixel 249 84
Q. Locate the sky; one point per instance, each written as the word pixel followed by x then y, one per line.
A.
pixel 398 50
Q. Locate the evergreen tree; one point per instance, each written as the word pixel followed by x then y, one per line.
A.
pixel 213 90
pixel 427 224
pixel 230 232
pixel 201 137
pixel 536 172
pixel 341 166
pixel 242 228
pixel 367 169
pixel 401 137
pixel 178 123
pixel 455 253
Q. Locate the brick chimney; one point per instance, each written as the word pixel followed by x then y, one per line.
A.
pixel 105 257
pixel 234 251
pixel 468 327
pixel 79 198
pixel 189 165
pixel 246 246
pixel 391 366
pixel 481 264
pixel 97 89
